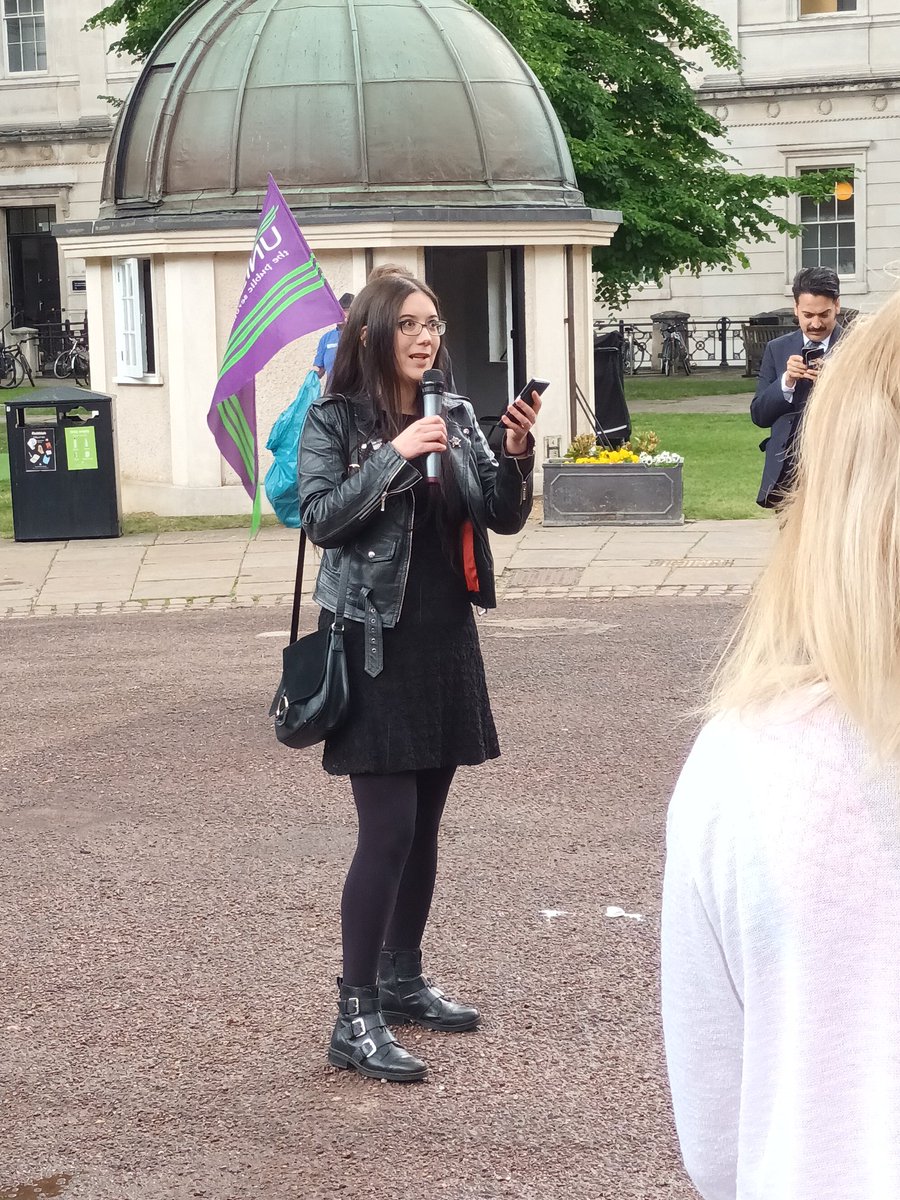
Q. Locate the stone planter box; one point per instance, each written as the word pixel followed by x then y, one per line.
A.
pixel 611 494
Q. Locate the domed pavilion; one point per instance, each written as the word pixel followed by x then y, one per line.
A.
pixel 404 131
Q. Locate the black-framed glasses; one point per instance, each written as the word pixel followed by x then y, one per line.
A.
pixel 412 328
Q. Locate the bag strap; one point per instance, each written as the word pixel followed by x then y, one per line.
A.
pixel 298 584
pixel 345 571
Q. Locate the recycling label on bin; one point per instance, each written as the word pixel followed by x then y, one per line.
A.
pixel 40 449
pixel 81 448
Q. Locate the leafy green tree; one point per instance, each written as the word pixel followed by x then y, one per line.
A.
pixel 616 72
pixel 145 22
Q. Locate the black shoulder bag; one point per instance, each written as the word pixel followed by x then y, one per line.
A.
pixel 313 697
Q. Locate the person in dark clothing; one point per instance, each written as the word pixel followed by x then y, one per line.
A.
pixel 419 707
pixel 786 379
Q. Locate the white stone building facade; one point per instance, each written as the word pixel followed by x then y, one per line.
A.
pixel 819 87
pixel 55 127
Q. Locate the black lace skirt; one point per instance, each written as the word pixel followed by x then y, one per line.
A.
pixel 429 707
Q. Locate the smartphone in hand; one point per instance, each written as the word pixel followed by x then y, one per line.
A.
pixel 813 355
pixel 533 385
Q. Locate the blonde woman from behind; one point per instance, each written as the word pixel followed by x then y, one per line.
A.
pixel 781 907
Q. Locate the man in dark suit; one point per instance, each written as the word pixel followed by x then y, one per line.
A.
pixel 786 379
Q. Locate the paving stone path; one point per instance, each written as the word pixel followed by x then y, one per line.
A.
pixel 168 572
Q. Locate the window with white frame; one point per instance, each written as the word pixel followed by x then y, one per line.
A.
pixel 25 36
pixel 829 229
pixel 812 7
pixel 133 290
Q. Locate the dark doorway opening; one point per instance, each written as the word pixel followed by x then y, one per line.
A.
pixel 482 295
pixel 33 266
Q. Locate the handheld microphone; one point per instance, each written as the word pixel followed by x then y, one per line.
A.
pixel 433 387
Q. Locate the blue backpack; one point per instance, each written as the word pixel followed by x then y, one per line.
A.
pixel 284 442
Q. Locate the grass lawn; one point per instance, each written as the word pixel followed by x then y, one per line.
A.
pixel 681 387
pixel 722 461
pixel 131 522
pixel 722 469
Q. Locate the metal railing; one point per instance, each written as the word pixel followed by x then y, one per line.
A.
pixel 716 342
pixel 56 336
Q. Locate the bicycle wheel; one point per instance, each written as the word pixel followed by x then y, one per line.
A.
pixel 683 358
pixel 666 363
pixel 82 369
pixel 11 373
pixel 62 364
pixel 26 369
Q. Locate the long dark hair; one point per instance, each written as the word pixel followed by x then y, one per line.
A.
pixel 370 369
pixel 366 373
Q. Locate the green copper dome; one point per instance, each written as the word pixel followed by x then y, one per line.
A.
pixel 348 103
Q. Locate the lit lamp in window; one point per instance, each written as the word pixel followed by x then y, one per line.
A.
pixel 843 191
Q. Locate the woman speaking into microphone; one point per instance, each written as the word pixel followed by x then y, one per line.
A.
pixel 419 559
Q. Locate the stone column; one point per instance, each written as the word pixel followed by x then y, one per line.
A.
pixel 546 346
pixel 191 370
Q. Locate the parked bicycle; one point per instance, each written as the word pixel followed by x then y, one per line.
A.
pixel 73 363
pixel 674 351
pixel 634 349
pixel 14 366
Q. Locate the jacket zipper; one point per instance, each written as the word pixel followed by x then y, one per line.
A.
pixel 382 496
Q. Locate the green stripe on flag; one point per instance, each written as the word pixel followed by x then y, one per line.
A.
pixel 269 219
pixel 263 303
pixel 236 413
pixel 233 406
pixel 235 433
pixel 229 429
pixel 237 355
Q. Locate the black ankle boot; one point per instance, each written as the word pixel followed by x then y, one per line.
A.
pixel 361 1041
pixel 408 997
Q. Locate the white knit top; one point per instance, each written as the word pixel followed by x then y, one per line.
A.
pixel 781 961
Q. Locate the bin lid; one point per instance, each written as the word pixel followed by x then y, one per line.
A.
pixel 776 316
pixel 62 393
pixel 610 341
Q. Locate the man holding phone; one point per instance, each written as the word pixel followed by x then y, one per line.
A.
pixel 788 374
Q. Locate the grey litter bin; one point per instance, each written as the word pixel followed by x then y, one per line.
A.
pixel 62 465
pixel 761 329
pixel 670 317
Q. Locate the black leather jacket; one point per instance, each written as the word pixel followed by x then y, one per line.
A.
pixel 356 498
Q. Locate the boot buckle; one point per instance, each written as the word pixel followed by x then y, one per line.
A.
pixel 367 1048
pixel 358 1026
pixel 352 1003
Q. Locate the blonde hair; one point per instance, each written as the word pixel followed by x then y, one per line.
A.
pixel 827 608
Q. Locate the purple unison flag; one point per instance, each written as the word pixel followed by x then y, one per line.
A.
pixel 285 296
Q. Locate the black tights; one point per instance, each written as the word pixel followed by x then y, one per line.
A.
pixel 387 896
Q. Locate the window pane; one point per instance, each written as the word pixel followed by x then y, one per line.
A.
pixel 26 37
pixel 808 210
pixel 828 258
pixel 847 237
pixel 810 7
pixel 810 258
pixel 847 262
pixel 827 235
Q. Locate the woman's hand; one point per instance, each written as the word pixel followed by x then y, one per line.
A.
pixel 425 436
pixel 519 419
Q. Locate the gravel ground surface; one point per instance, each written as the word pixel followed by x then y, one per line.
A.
pixel 169 919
